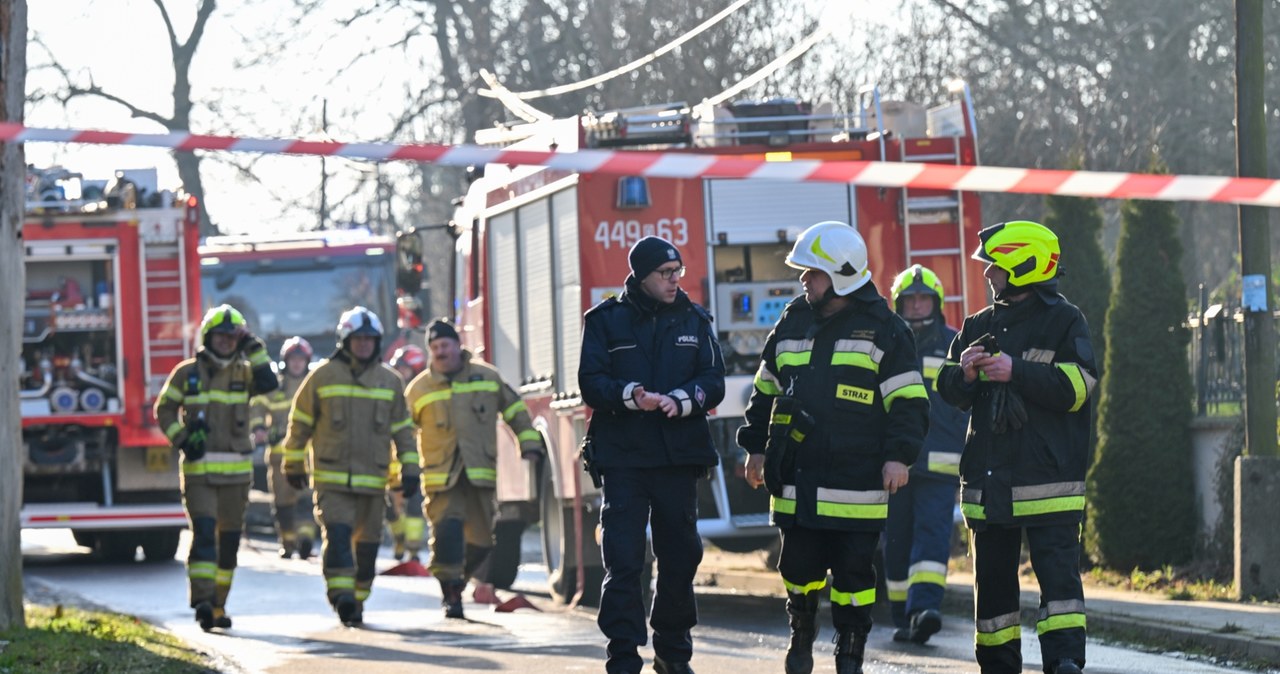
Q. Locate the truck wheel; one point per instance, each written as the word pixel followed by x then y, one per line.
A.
pixel 160 545
pixel 504 560
pixel 118 546
pixel 558 550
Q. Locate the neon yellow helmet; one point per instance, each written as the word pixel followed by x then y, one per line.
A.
pixel 838 250
pixel 1027 250
pixel 222 318
pixel 916 280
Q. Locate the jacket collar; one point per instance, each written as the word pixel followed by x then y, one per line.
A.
pixel 634 295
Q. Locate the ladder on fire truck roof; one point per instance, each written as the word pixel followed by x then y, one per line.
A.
pixel 940 211
pixel 163 270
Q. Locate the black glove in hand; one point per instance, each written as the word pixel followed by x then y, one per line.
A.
pixel 1007 409
pixel 1015 410
pixel 296 480
pixel 409 486
pixel 250 344
pixel 197 434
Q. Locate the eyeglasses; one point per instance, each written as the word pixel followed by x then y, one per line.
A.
pixel 668 274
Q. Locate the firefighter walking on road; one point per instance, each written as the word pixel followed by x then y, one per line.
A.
pixel 1025 367
pixel 918 531
pixel 651 370
pixel 290 507
pixel 838 413
pixel 456 403
pixel 350 409
pixel 204 411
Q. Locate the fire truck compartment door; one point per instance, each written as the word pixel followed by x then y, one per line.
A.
pixel 753 211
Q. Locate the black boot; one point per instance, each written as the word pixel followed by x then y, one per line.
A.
pixel 850 647
pixel 1067 666
pixel 347 608
pixel 802 613
pixel 925 624
pixel 451 597
pixel 204 615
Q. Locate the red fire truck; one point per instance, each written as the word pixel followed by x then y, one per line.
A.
pixel 537 247
pixel 111 306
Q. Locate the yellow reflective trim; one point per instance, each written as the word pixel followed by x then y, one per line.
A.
pixel 172 393
pixel 198 399
pixel 476 387
pixel 346 391
pixel 302 417
pixel 218 468
pixel 786 506
pixel 861 598
pixel 482 474
pixel 259 357
pixel 1048 505
pixel 401 425
pixel 792 358
pixel 908 392
pixel 229 397
pixel 295 454
pixel 782 419
pixel 529 436
pixel 928 578
pixel 173 430
pixel 414 527
pixel 805 588
pixel 409 457
pixel 767 387
pixel 998 637
pixel 973 511
pixel 897 595
pixel 330 477
pixel 856 359
pixel 428 398
pixel 202 570
pixel 341 583
pixel 434 479
pixel 1065 621
pixel 1077 384
pixel 515 408
pixel 855 511
pixel 369 481
pixel 224 576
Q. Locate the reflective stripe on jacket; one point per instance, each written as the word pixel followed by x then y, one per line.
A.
pixel 457 423
pixel 940 456
pixel 350 414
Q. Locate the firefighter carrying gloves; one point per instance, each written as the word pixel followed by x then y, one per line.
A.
pixel 456 403
pixel 290 502
pixel 1025 455
pixel 917 541
pixel 204 410
pixel 850 363
pixel 651 370
pixel 347 413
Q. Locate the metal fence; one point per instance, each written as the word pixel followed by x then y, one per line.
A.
pixel 1216 358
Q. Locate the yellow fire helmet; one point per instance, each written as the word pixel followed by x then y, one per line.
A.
pixel 1027 250
pixel 916 280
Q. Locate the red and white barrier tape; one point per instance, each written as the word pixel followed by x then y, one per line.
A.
pixel 1100 184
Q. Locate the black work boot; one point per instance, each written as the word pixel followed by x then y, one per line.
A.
pixel 220 618
pixel 663 667
pixel 204 615
pixel 802 613
pixel 1067 666
pixel 451 597
pixel 347 608
pixel 304 547
pixel 925 624
pixel 850 647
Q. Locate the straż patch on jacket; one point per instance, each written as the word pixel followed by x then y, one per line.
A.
pixel 687 340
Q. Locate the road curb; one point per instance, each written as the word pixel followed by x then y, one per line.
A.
pixel 1165 635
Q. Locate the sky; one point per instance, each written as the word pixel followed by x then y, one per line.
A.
pixel 122 44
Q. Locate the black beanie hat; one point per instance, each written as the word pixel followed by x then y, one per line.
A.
pixel 650 253
pixel 441 328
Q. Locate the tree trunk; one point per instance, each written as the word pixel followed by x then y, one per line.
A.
pixel 13 84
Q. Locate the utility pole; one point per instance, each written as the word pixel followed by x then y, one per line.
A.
pixel 1257 474
pixel 324 168
pixel 13 173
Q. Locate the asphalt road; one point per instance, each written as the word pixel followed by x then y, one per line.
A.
pixel 283 624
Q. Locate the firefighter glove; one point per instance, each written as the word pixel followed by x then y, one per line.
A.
pixel 249 344
pixel 1007 409
pixel 197 433
pixel 297 480
pixel 408 485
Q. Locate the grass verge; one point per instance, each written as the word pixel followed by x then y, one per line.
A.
pixel 59 639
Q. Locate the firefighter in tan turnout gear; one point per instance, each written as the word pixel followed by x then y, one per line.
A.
pixel 350 409
pixel 291 507
pixel 456 403
pixel 204 410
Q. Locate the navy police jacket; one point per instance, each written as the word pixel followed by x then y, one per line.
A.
pixel 634 340
pixel 1033 475
pixel 939 459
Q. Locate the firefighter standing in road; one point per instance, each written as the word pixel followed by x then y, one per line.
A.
pixel 404 511
pixel 651 370
pixel 204 410
pixel 921 514
pixel 456 403
pixel 838 412
pixel 291 507
pixel 350 409
pixel 1025 368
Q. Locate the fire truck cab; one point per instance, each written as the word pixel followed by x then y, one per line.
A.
pixel 111 306
pixel 537 247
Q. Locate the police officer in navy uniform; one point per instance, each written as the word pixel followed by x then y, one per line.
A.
pixel 651 369
pixel 921 515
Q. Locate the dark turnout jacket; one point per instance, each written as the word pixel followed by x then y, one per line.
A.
pixel 1032 475
pixel 634 340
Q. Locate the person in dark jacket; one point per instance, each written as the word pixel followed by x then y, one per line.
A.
pixel 917 541
pixel 1025 368
pixel 651 369
pixel 838 413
